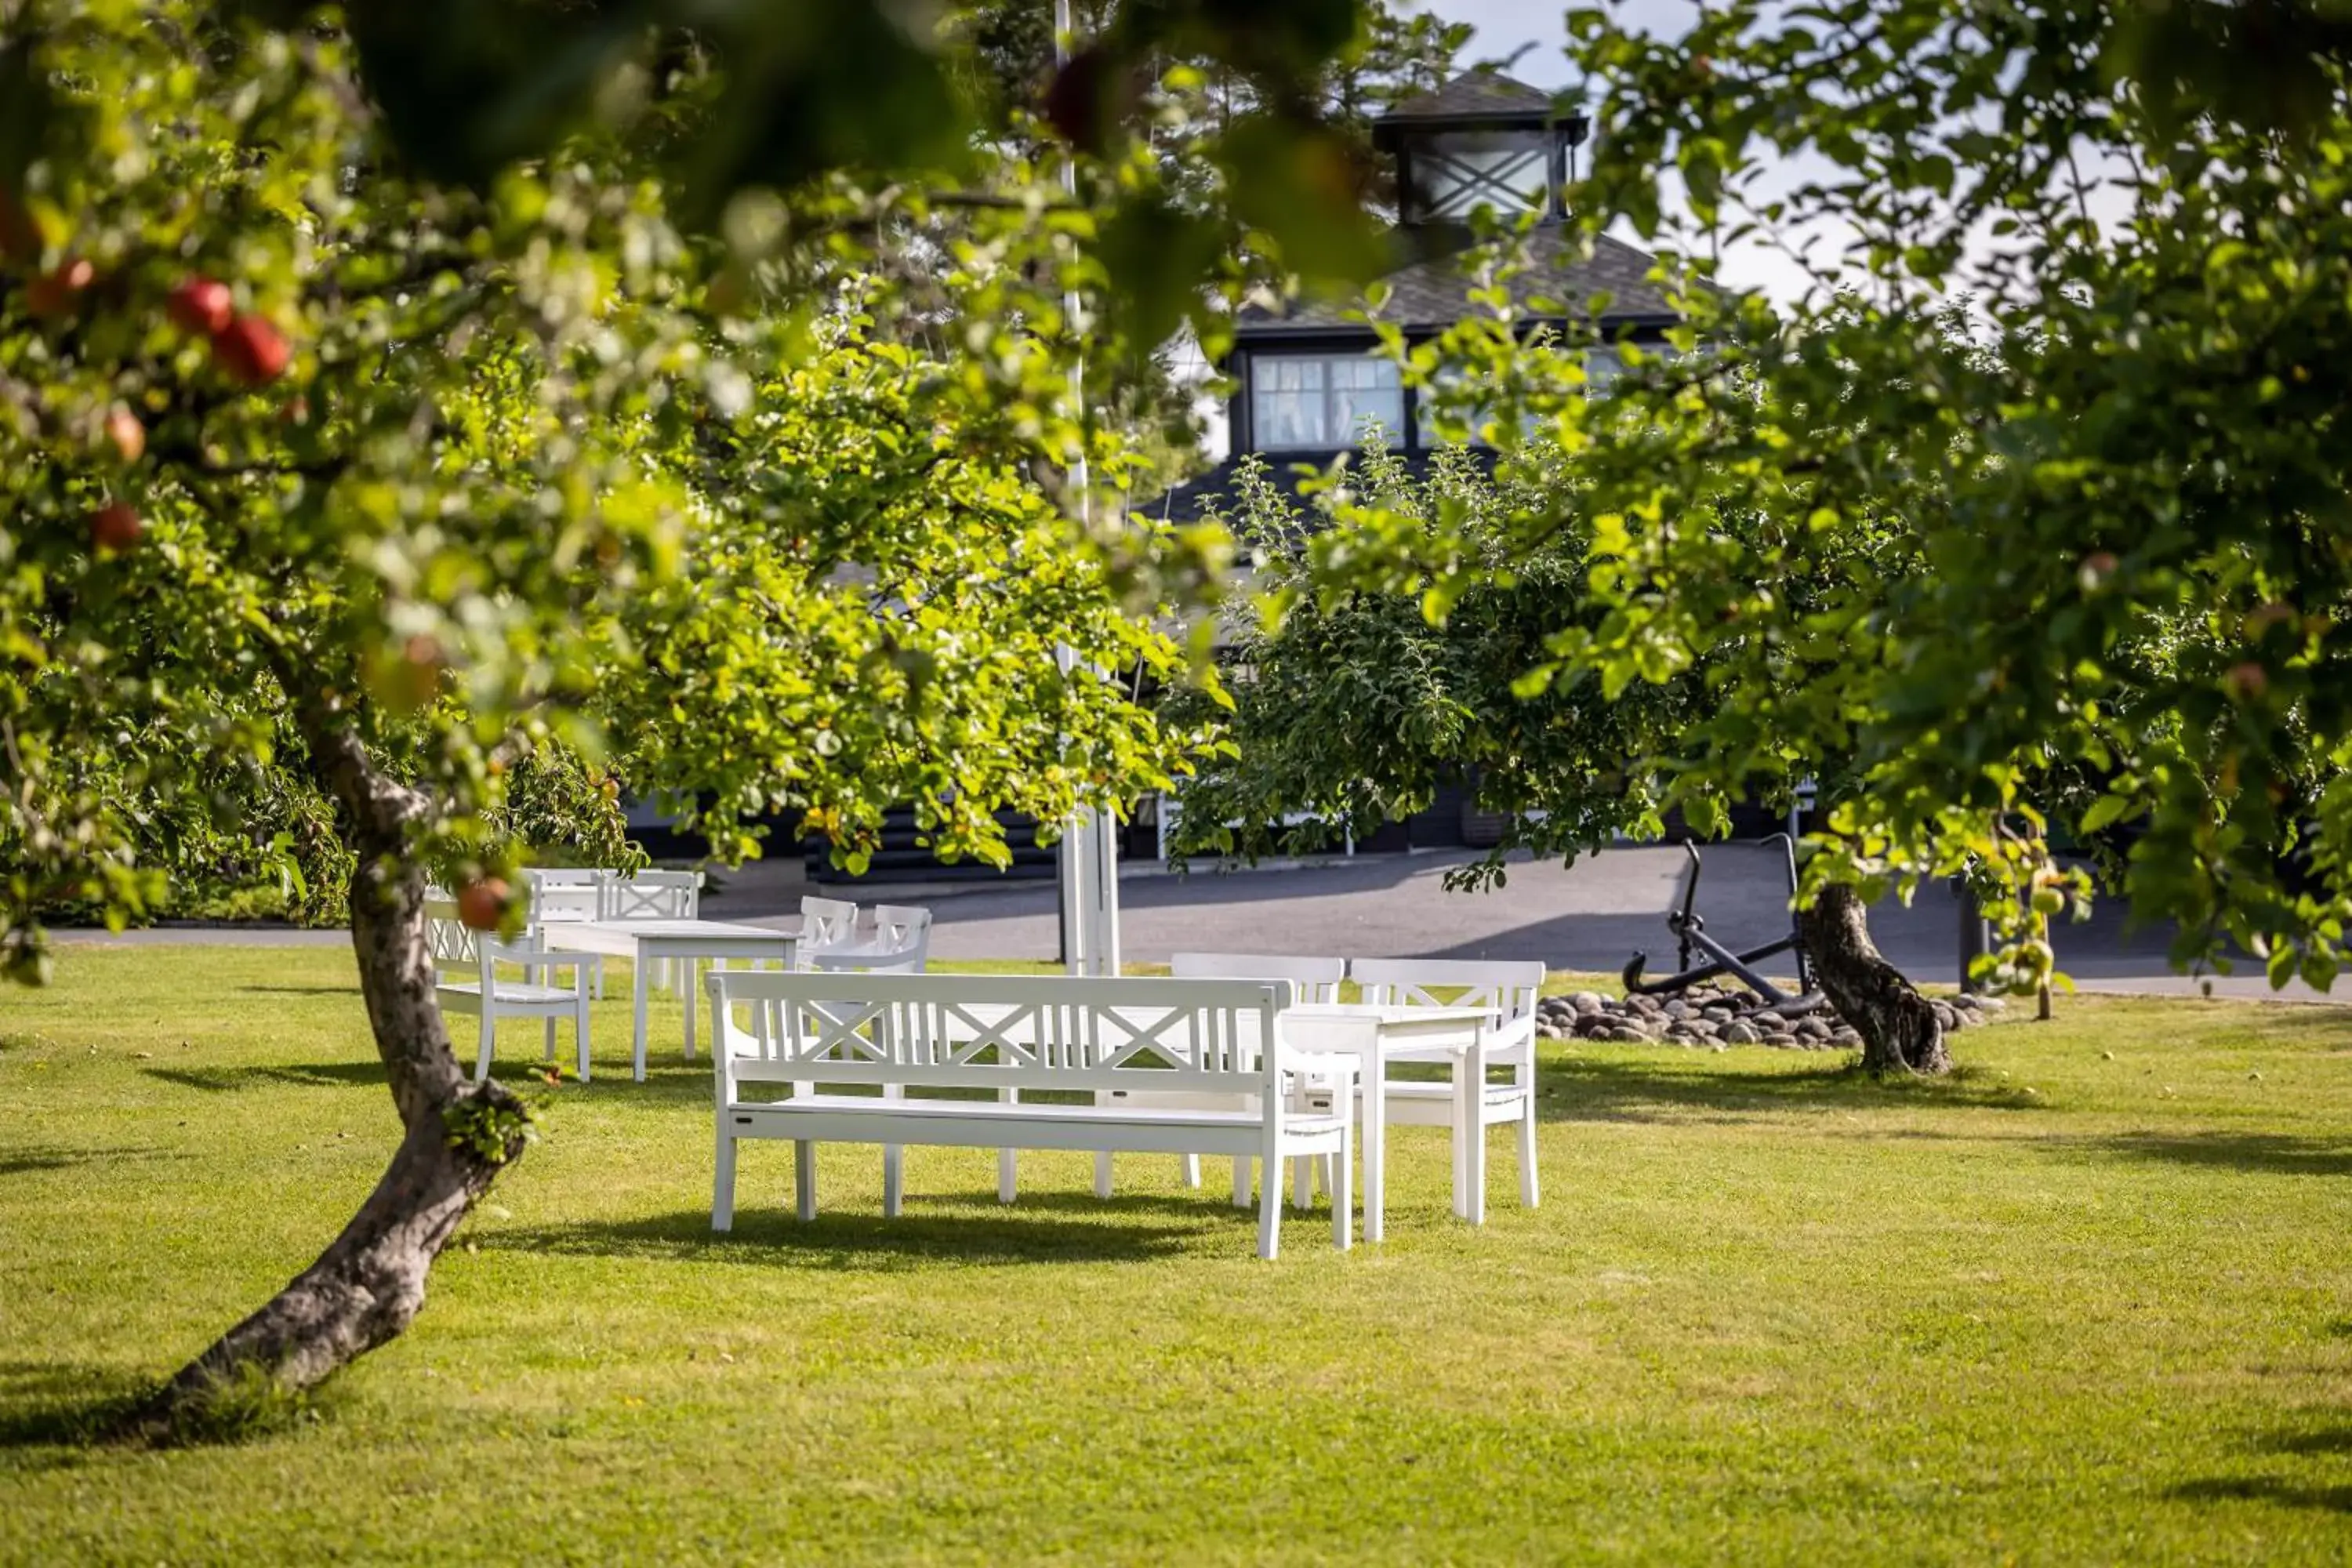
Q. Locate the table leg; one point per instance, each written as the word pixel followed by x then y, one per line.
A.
pixel 1454 1137
pixel 1470 1132
pixel 1376 1147
pixel 640 979
pixel 685 966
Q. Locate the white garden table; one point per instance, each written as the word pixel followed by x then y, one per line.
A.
pixel 685 942
pixel 1379 1035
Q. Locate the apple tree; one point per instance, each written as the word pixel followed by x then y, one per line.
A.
pixel 392 408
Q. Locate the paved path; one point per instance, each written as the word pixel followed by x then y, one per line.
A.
pixel 1591 916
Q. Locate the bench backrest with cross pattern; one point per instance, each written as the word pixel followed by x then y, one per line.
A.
pixel 997 1032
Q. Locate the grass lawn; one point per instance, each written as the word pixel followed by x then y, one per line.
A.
pixel 2091 1301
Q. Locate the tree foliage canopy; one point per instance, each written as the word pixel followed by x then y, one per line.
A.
pixel 2036 505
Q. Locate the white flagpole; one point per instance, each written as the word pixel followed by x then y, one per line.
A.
pixel 1089 849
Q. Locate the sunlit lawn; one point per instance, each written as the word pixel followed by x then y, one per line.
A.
pixel 2090 1302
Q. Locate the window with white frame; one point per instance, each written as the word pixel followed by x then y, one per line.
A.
pixel 1323 402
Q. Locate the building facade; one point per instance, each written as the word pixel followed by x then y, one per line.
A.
pixel 1309 382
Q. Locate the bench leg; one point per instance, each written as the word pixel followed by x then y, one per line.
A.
pixel 490 1041
pixel 550 1032
pixel 1302 1183
pixel 1269 1189
pixel 1102 1176
pixel 580 1033
pixel 722 1189
pixel 639 978
pixel 1343 1187
pixel 804 1178
pixel 1007 1173
pixel 1528 1192
pixel 1241 1181
pixel 1193 1171
pixel 894 1163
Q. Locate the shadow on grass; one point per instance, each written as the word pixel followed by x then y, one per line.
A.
pixel 769 1238
pixel 63 1406
pixel 229 1080
pixel 57 1157
pixel 2265 1488
pixel 2266 1153
pixel 350 990
pixel 1599 1089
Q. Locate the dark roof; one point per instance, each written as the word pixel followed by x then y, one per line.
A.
pixel 1215 491
pixel 1434 292
pixel 1475 95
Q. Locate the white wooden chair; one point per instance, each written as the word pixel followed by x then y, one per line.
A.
pixel 824 923
pixel 653 896
pixel 1508 993
pixel 466 980
pixel 902 944
pixel 561 893
pixel 1316 980
pixel 897 927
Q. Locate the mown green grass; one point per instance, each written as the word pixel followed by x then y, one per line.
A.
pixel 2090 1302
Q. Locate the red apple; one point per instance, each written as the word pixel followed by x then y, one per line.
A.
pixel 2248 679
pixel 250 349
pixel 201 305
pixel 56 293
pixel 128 437
pixel 482 904
pixel 115 527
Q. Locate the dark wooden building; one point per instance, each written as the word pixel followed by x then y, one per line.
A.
pixel 1309 382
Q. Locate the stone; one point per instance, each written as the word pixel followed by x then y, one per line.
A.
pixel 1626 1035
pixel 1741 1033
pixel 1594 1025
pixel 1766 1019
pixel 1785 1041
pixel 1586 1002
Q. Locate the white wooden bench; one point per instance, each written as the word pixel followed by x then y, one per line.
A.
pixel 1206 1059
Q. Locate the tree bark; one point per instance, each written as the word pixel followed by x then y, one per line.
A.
pixel 370 1283
pixel 1898 1027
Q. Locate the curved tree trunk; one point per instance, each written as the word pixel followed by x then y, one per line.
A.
pixel 368 1285
pixel 1898 1027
